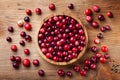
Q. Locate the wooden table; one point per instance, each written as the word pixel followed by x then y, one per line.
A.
pixel 13 10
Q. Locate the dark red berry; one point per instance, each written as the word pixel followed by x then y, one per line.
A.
pixel 83 72
pixel 96 8
pixel 102 59
pixel 88 12
pixel 12 58
pixel 94 49
pixel 41 72
pixel 9 39
pixel 60 72
pixel 23 34
pixel 51 6
pixel 10 29
pixel 38 11
pixel 28 38
pixel 100 35
pixel 22 43
pixel 26 62
pixel 106 55
pixel 26 19
pixel 69 73
pixel 70 6
pixel 107 27
pixel 110 14
pixel 95 24
pixel 28 26
pixel 26 51
pixel 36 62
pixel 87 62
pixel 18 59
pixel 101 17
pixel 15 65
pixel 89 18
pixel 76 68
pixel 93 66
pixel 103 29
pixel 104 49
pixel 14 48
pixel 29 12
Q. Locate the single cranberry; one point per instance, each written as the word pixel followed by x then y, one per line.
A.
pixel 96 41
pixel 50 49
pixel 82 38
pixel 14 48
pixel 15 65
pixel 50 38
pixel 83 72
pixel 26 62
pixel 12 58
pixel 28 26
pixel 38 11
pixel 93 59
pixel 23 34
pixel 104 49
pixel 10 29
pixel 89 18
pixel 106 55
pixel 101 17
pixel 95 24
pixel 81 31
pixel 88 12
pixel 98 55
pixel 93 66
pixel 87 62
pixel 96 8
pixel 70 6
pixel 66 59
pixel 76 68
pixel 22 43
pixel 44 50
pixel 43 45
pixel 86 68
pixel 110 14
pixel 102 59
pixel 100 35
pixel 41 72
pixel 18 59
pixel 107 27
pixel 20 23
pixel 94 49
pixel 72 39
pixel 66 47
pixel 78 26
pixel 74 55
pixel 74 49
pixel 26 19
pixel 61 17
pixel 69 73
pixel 65 54
pixel 49 55
pixel 51 6
pixel 103 29
pixel 9 39
pixel 76 43
pixel 60 72
pixel 28 38
pixel 26 51
pixel 36 62
pixel 29 12
pixel 55 58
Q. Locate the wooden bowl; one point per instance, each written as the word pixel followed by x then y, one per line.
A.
pixel 73 60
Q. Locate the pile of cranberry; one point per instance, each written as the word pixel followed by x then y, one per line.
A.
pixel 61 38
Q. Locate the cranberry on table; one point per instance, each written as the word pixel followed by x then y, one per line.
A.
pixel 88 12
pixel 76 68
pixel 104 49
pixel 86 68
pixel 96 8
pixel 26 19
pixel 103 29
pixel 36 62
pixel 28 26
pixel 23 34
pixel 69 73
pixel 93 66
pixel 95 24
pixel 110 14
pixel 107 27
pixel 61 72
pixel 9 39
pixel 106 55
pixel 100 35
pixel 83 72
pixel 26 51
pixel 98 55
pixel 20 23
pixel 18 59
pixel 15 65
pixel 28 38
pixel 14 48
pixel 22 43
pixel 93 59
pixel 41 72
pixel 11 29
pixel 94 49
pixel 89 19
pixel 29 12
pixel 87 62
pixel 26 62
pixel 12 58
pixel 101 17
pixel 51 6
pixel 70 6
pixel 38 11
pixel 102 59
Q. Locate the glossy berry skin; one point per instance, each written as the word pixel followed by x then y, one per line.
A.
pixel 22 43
pixel 41 72
pixel 15 65
pixel 18 59
pixel 95 24
pixel 70 6
pixel 28 26
pixel 14 48
pixel 94 49
pixel 96 8
pixel 109 14
pixel 87 62
pixel 101 17
pixel 20 23
pixel 61 73
pixel 100 35
pixel 93 66
pixel 102 29
pixel 83 72
pixel 38 11
pixel 26 19
pixel 96 41
pixel 104 49
pixel 23 34
pixel 26 62
pixel 11 29
pixel 9 39
pixel 98 55
pixel 106 55
pixel 28 38
pixel 12 58
pixel 51 6
pixel 26 51
pixel 69 73
pixel 107 27
pixel 88 12
pixel 36 62
pixel 89 19
pixel 29 12
pixel 76 68
pixel 102 59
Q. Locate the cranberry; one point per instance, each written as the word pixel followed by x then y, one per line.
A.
pixel 49 55
pixel 51 6
pixel 66 59
pixel 76 68
pixel 102 59
pixel 87 62
pixel 36 62
pixel 29 12
pixel 22 43
pixel 107 27
pixel 66 47
pixel 69 73
pixel 50 49
pixel 88 12
pixel 20 23
pixel 9 39
pixel 110 14
pixel 23 34
pixel 93 59
pixel 28 26
pixel 26 62
pixel 41 72
pixel 95 24
pixel 106 55
pixel 18 59
pixel 102 29
pixel 14 48
pixel 78 26
pixel 26 19
pixel 94 49
pixel 28 38
pixel 96 41
pixel 15 65
pixel 26 51
pixel 50 38
pixel 86 68
pixel 100 35
pixel 83 72
pixel 89 18
pixel 93 66
pixel 104 49
pixel 60 72
pixel 74 49
pixel 72 39
pixel 10 29
pixel 12 58
pixel 98 55
pixel 38 11
pixel 55 58
pixel 101 17
pixel 96 8
pixel 70 6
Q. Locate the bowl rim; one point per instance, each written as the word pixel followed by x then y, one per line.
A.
pixel 73 60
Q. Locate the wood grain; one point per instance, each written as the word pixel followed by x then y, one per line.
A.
pixel 13 10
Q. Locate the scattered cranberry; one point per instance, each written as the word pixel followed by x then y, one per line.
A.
pixel 109 14
pixel 83 72
pixel 22 43
pixel 100 35
pixel 9 39
pixel 88 12
pixel 86 68
pixel 28 26
pixel 70 6
pixel 103 29
pixel 96 8
pixel 60 72
pixel 10 29
pixel 14 48
pixel 94 49
pixel 96 41
pixel 38 11
pixel 95 24
pixel 20 23
pixel 102 59
pixel 106 55
pixel 51 6
pixel 36 62
pixel 15 65
pixel 101 17
pixel 76 68
pixel 41 72
pixel 104 49
pixel 29 12
pixel 69 73
pixel 26 62
pixel 93 66
pixel 26 51
pixel 28 38
pixel 87 62
pixel 89 18
pixel 107 27
pixel 18 59
pixel 93 59
pixel 26 19
pixel 98 55
pixel 12 58
pixel 23 34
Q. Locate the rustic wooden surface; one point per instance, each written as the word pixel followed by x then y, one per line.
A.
pixel 13 10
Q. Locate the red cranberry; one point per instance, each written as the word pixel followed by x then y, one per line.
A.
pixel 69 73
pixel 87 62
pixel 78 26
pixel 55 58
pixel 89 18
pixel 28 26
pixel 12 58
pixel 29 12
pixel 76 43
pixel 93 66
pixel 38 11
pixel 26 19
pixel 72 39
pixel 86 68
pixel 102 29
pixel 88 12
pixel 106 55
pixel 44 50
pixel 51 6
pixel 100 35
pixel 70 6
pixel 10 29
pixel 28 38
pixel 94 49
pixel 76 68
pixel 49 55
pixel 26 51
pixel 98 55
pixel 107 27
pixel 83 72
pixel 101 17
pixel 23 34
pixel 104 49
pixel 66 47
pixel 18 59
pixel 93 59
pixel 96 8
pixel 50 49
pixel 15 65
pixel 109 14
pixel 102 59
pixel 74 49
pixel 96 41
pixel 60 72
pixel 14 48
pixel 36 62
pixel 41 72
pixel 22 43
pixel 26 62
pixel 9 39
pixel 74 55
pixel 95 24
